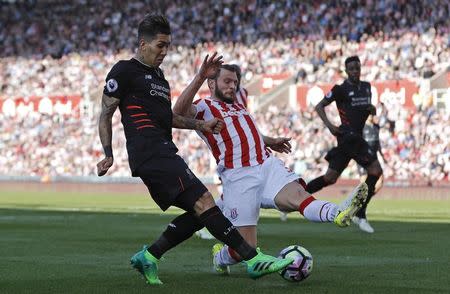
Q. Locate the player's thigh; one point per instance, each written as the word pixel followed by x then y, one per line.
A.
pixel 171 182
pixel 241 195
pixel 337 161
pixel 367 158
pixel 290 197
pixel 276 177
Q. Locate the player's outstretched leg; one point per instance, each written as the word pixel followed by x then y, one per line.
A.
pixel 350 206
pixel 145 263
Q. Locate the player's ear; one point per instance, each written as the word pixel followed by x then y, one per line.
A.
pixel 141 44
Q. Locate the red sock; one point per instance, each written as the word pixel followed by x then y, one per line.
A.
pixel 305 203
pixel 234 254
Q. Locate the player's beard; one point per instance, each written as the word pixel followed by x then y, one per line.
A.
pixel 219 94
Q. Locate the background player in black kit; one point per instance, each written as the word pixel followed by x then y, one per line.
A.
pixel 353 100
pixel 138 87
pixel 371 133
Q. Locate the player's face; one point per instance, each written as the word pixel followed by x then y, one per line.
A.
pixel 353 70
pixel 155 50
pixel 225 86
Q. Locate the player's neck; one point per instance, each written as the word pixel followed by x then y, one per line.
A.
pixel 221 100
pixel 140 58
pixel 354 83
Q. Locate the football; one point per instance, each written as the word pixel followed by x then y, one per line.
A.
pixel 302 266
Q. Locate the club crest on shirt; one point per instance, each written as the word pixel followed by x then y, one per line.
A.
pixel 233 213
pixel 112 85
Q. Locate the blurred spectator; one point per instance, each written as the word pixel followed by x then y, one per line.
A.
pixel 66 48
pixel 54 145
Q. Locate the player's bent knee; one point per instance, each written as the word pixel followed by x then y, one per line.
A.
pixel 375 171
pixel 205 202
pixel 290 197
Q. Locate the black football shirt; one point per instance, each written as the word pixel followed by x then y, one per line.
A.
pixel 145 107
pixel 352 102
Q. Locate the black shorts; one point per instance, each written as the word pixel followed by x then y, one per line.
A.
pixel 170 182
pixel 350 146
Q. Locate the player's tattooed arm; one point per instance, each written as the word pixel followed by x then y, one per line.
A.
pixel 320 109
pixel 109 106
pixel 212 126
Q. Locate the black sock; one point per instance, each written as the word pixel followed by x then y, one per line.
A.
pixel 371 181
pixel 316 185
pixel 179 230
pixel 221 228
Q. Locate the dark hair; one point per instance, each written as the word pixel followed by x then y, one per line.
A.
pixel 231 67
pixel 238 74
pixel 153 24
pixel 351 59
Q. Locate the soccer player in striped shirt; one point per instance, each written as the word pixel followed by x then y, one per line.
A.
pixel 251 177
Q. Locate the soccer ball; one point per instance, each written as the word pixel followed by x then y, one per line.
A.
pixel 302 266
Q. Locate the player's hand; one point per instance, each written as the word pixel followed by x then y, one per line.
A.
pixel 212 126
pixel 335 131
pixel 104 165
pixel 281 145
pixel 210 66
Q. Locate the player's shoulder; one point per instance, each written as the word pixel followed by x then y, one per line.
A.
pixel 122 65
pixel 365 84
pixel 205 101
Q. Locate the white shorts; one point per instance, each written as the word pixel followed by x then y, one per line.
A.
pixel 246 189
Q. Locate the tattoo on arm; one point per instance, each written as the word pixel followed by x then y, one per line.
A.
pixel 181 122
pixel 109 106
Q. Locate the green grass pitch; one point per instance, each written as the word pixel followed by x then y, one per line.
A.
pixel 72 243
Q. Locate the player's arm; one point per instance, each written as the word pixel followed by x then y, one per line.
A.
pixel 212 126
pixel 208 69
pixel 381 152
pixel 280 144
pixel 320 109
pixel 109 106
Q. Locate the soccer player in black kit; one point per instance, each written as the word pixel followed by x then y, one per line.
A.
pixel 353 101
pixel 138 87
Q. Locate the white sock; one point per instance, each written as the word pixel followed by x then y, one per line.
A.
pixel 318 210
pixel 224 258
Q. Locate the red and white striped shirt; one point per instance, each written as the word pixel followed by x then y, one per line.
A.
pixel 240 142
pixel 241 96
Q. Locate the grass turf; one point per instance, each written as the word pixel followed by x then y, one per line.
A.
pixel 50 251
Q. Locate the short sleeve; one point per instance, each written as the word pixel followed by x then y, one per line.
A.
pixel 335 94
pixel 200 109
pixel 116 81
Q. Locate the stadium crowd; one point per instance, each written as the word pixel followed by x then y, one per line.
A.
pixel 53 146
pixel 67 47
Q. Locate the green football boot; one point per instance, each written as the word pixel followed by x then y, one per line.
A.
pixel 145 263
